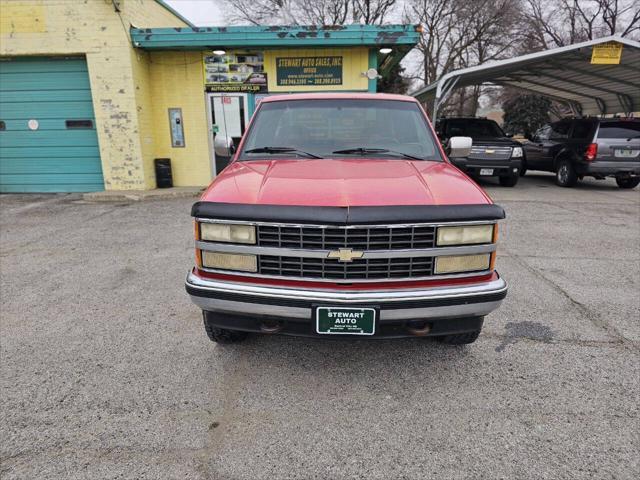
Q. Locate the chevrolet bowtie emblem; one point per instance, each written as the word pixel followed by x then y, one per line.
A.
pixel 345 254
pixel 488 150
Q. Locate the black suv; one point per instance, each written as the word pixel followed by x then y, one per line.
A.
pixel 493 152
pixel 581 147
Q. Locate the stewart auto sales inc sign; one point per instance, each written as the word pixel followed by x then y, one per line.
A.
pixel 303 71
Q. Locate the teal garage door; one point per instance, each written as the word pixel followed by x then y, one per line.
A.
pixel 48 140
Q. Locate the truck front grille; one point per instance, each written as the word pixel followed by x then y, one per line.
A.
pixel 329 268
pixel 357 238
pixel 478 152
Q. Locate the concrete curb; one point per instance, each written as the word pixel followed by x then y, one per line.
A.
pixel 142 195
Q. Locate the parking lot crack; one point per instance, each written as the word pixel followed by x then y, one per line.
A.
pixel 233 385
pixel 584 310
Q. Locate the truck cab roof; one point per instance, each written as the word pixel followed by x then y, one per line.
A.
pixel 329 96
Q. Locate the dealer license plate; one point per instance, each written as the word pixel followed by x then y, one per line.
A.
pixel 345 321
pixel 618 152
pixel 486 171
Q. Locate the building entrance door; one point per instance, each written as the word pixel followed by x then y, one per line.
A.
pixel 228 116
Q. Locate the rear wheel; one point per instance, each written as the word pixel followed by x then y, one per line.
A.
pixel 222 335
pixel 565 174
pixel 459 338
pixel 509 181
pixel 628 182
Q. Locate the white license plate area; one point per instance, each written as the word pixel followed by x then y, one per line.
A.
pixel 486 171
pixel 625 153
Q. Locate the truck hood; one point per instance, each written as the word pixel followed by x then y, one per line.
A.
pixel 496 141
pixel 344 182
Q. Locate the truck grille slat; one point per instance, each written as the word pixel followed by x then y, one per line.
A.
pixel 378 268
pixel 371 238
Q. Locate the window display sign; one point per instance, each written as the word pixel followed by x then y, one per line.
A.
pixel 235 72
pixel 303 71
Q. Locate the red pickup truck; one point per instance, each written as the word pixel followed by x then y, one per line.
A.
pixel 340 216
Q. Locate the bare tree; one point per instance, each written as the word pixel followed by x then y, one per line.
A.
pixel 458 33
pixel 461 33
pixel 327 12
pixel 372 12
pixel 308 12
pixel 555 23
pixel 620 17
pixel 259 12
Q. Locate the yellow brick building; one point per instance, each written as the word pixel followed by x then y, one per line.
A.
pixel 92 92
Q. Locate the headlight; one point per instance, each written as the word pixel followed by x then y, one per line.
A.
pixel 229 261
pixel 231 233
pixel 517 152
pixel 462 263
pixel 465 235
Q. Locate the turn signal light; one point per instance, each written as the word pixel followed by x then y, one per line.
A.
pixel 591 152
pixel 462 263
pixel 229 261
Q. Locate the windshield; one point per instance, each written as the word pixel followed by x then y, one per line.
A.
pixel 473 128
pixel 340 128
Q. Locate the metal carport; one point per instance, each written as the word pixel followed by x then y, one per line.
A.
pixel 565 74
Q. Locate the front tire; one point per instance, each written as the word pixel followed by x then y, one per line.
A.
pixel 509 181
pixel 459 338
pixel 566 175
pixel 523 168
pixel 629 182
pixel 222 335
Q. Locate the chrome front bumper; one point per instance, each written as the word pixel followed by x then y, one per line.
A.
pixel 473 300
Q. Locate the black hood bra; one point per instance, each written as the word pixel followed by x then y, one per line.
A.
pixel 396 214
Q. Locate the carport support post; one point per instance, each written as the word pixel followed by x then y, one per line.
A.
pixel 443 90
pixel 436 100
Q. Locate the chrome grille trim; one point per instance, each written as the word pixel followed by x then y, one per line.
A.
pixel 371 254
pixel 332 280
pixel 478 152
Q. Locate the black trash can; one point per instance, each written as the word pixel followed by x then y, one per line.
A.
pixel 164 178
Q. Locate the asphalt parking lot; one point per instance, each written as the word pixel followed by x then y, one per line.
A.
pixel 107 371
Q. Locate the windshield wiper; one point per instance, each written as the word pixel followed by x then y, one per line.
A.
pixel 364 151
pixel 273 150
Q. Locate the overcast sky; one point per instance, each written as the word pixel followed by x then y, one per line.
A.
pixel 200 12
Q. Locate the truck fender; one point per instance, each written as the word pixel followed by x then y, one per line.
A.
pixel 564 154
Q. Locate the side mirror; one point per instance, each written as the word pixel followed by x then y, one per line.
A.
pixel 460 146
pixel 223 146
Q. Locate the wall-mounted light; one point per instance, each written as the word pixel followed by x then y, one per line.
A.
pixel 386 50
pixel 371 74
pixel 219 52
